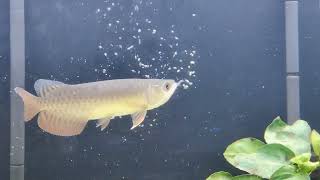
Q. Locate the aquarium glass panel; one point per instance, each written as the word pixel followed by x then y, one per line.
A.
pixel 229 54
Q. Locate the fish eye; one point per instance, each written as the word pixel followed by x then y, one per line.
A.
pixel 167 86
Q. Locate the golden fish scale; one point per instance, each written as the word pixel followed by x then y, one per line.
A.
pixel 95 102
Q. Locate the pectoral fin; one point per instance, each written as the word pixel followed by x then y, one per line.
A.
pixel 137 118
pixel 104 122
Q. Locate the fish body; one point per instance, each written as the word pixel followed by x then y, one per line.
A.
pixel 65 109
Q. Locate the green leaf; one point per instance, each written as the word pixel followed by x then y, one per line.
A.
pixel 315 141
pixel 227 176
pixel 247 177
pixel 304 164
pixel 302 158
pixel 243 146
pixel 220 176
pixel 261 160
pixel 308 167
pixel 289 172
pixel 296 137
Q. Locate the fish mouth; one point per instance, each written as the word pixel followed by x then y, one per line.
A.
pixel 180 82
pixel 177 84
pixel 175 89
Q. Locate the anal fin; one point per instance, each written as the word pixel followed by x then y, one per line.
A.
pixel 137 118
pixel 104 122
pixel 60 126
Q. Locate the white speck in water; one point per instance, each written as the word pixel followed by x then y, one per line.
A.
pixel 154 31
pixel 191 73
pixel 192 62
pixel 144 65
pixel 115 53
pixel 100 47
pixel 139 30
pixel 130 47
pixel 105 54
pixel 148 21
pixel 174 54
pixel 194 14
pixel 98 10
pixel 136 8
pixel 108 8
pixel 104 71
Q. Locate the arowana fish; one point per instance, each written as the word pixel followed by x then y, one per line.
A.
pixel 65 109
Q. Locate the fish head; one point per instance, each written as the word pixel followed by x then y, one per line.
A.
pixel 160 91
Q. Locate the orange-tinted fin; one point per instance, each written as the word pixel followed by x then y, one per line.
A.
pixel 104 122
pixel 59 125
pixel 137 118
pixel 31 103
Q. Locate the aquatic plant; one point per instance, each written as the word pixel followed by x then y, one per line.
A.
pixel 285 154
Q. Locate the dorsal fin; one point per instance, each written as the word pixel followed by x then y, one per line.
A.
pixel 43 87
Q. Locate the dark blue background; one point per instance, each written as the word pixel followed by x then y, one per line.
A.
pixel 240 84
pixel 310 61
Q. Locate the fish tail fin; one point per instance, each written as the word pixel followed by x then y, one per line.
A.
pixel 31 103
